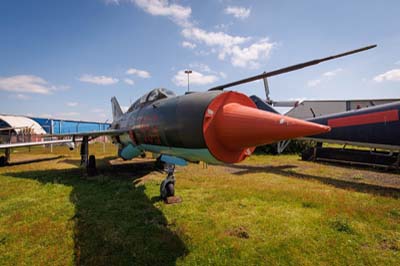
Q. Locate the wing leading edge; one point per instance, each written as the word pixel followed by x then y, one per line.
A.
pixel 28 144
pixel 94 134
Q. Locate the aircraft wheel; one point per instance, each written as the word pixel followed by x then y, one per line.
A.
pixel 3 161
pixel 170 189
pixel 167 190
pixel 91 167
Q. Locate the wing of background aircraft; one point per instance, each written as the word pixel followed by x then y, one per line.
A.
pixel 4 160
pixel 28 144
pixel 93 134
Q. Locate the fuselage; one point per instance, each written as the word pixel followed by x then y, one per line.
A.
pixel 212 126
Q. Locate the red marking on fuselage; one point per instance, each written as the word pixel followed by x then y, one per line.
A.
pixel 148 129
pixel 132 136
pixel 365 119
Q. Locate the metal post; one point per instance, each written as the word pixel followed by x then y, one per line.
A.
pixel 188 72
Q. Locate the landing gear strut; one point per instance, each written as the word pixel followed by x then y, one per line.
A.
pixel 167 187
pixel 4 160
pixel 86 160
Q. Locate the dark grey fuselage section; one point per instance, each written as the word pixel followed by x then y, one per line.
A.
pixel 171 122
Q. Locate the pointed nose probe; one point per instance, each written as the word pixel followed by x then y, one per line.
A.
pixel 233 127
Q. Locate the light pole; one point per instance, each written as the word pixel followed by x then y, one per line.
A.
pixel 188 72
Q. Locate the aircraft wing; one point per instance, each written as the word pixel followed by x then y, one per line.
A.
pixel 27 144
pixel 94 134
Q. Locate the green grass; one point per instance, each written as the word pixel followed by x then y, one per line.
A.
pixel 269 210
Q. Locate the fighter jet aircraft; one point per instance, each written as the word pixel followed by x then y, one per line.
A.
pixel 213 126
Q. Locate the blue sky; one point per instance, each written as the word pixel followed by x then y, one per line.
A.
pixel 68 58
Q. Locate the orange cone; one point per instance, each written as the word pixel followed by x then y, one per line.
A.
pixel 233 127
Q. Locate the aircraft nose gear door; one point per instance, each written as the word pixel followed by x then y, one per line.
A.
pixel 167 187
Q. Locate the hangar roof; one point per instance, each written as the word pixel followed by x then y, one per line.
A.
pixel 20 122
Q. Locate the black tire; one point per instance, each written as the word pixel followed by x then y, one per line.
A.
pixel 91 166
pixel 170 189
pixel 3 161
pixel 92 161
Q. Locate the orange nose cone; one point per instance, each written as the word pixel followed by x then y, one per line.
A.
pixel 240 126
pixel 233 127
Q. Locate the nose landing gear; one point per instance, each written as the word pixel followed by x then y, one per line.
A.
pixel 167 187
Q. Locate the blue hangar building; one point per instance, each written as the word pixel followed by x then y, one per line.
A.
pixel 41 125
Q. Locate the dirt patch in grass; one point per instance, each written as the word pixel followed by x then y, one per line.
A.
pixel 240 232
pixel 391 244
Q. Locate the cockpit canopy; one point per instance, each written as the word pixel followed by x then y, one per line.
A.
pixel 152 96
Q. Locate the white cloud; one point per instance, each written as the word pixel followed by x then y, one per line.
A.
pixel 223 26
pixel 229 45
pixel 124 108
pixel 177 13
pixel 196 78
pixel 20 96
pixel 140 73
pixel 200 66
pixel 72 104
pixel 99 80
pixel 250 56
pixel 332 73
pixel 112 2
pixel 392 75
pixel 237 12
pixel 314 82
pixel 188 45
pixel 324 77
pixel 129 81
pixel 69 114
pixel 205 68
pixel 213 38
pixel 225 45
pixel 26 83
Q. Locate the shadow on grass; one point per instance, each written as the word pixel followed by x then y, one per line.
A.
pixel 286 170
pixel 115 222
pixel 13 163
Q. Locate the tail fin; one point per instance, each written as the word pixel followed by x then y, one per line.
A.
pixel 116 109
pixel 263 105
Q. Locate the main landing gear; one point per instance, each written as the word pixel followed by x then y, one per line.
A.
pixel 86 160
pixel 4 160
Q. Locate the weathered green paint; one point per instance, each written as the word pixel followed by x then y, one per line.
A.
pixel 184 153
pixel 129 152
